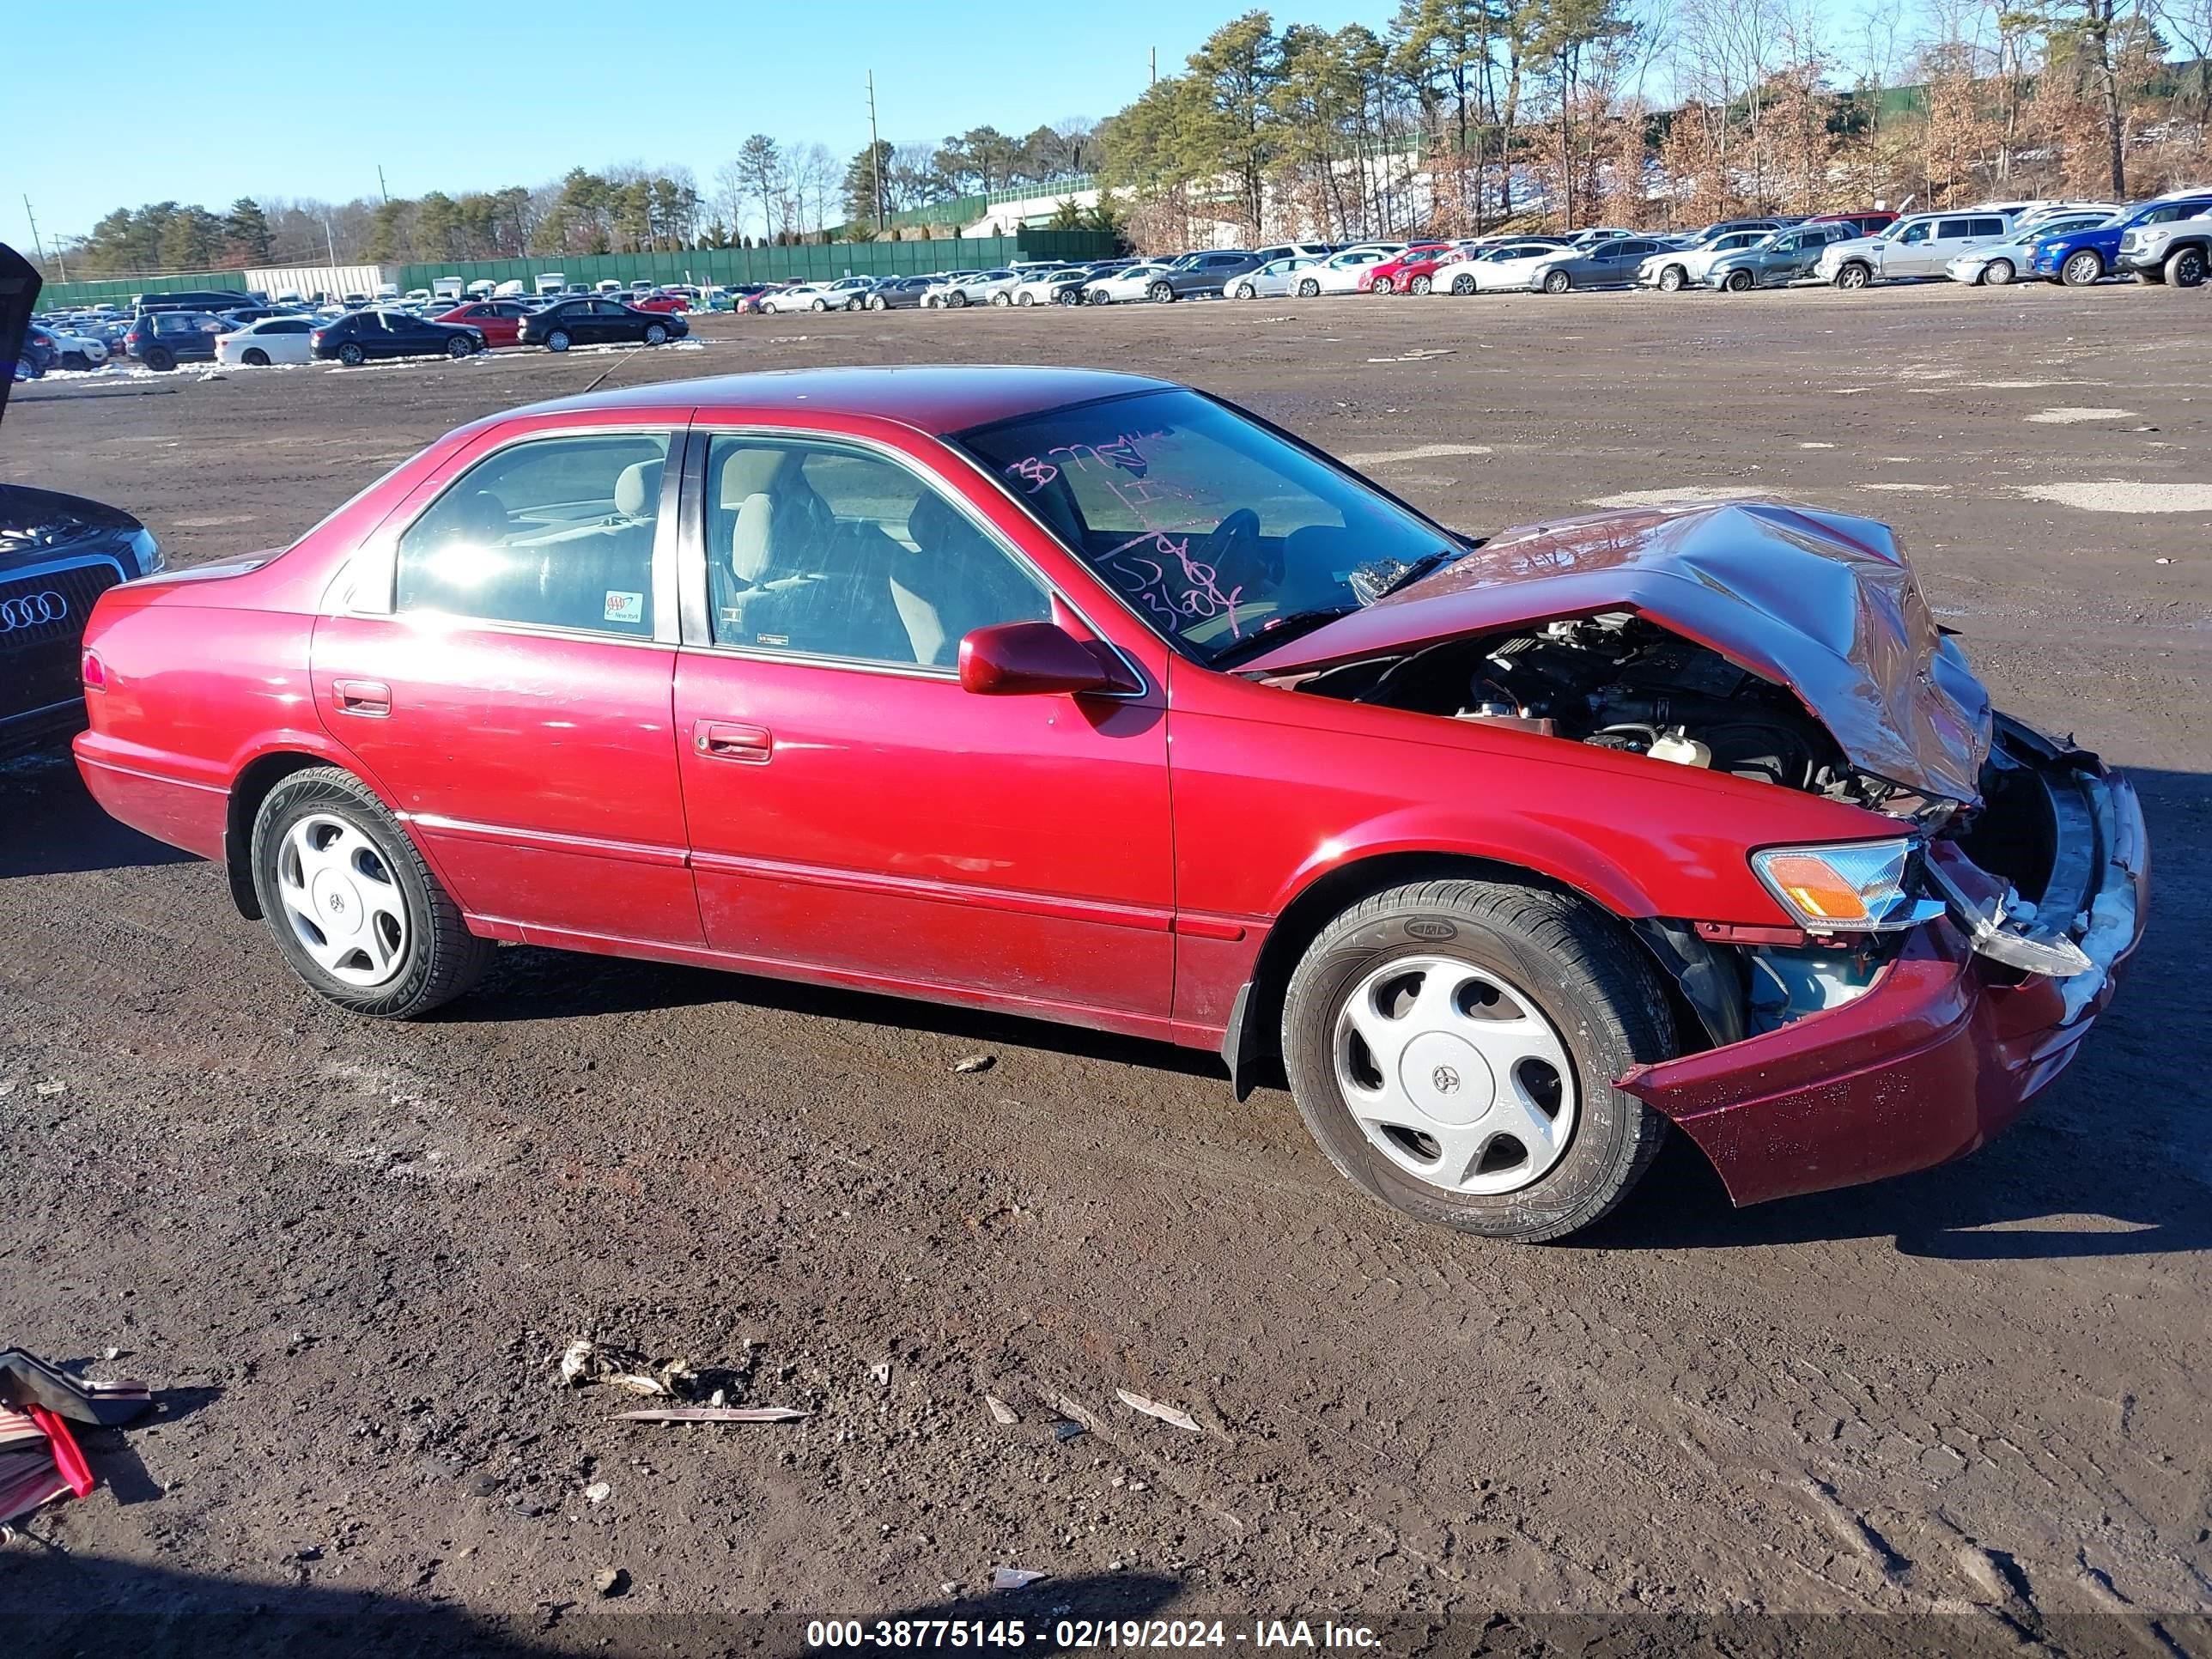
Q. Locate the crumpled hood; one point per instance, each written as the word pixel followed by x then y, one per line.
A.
pixel 1822 603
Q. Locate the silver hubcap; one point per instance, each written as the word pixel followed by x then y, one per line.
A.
pixel 1454 1075
pixel 338 893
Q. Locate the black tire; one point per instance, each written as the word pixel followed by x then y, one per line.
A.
pixel 1382 285
pixel 1581 972
pixel 1737 281
pixel 1463 283
pixel 1160 294
pixel 656 334
pixel 2081 269
pixel 877 303
pixel 255 358
pixel 1855 275
pixel 2184 267
pixel 1998 272
pixel 352 356
pixel 1025 298
pixel 1557 282
pixel 76 360
pixel 1672 279
pixel 160 359
pixel 458 347
pixel 1420 286
pixel 818 304
pixel 1002 298
pixel 557 340
pixel 957 300
pixel 1241 291
pixel 1309 289
pixel 441 959
pixel 1099 296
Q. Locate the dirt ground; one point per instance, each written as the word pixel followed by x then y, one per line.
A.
pixel 1971 1404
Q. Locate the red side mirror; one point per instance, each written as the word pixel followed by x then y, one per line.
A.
pixel 1009 660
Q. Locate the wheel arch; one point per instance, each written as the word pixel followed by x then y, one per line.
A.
pixel 1251 1046
pixel 253 783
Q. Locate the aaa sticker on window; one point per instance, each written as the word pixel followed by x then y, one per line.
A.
pixel 625 607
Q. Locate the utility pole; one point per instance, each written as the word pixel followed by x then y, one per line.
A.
pixel 380 190
pixel 1153 55
pixel 41 245
pixel 331 241
pixel 875 155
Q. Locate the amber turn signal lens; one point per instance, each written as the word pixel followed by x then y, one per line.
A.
pixel 1814 888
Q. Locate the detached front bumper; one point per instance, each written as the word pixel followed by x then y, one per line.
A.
pixel 1948 1045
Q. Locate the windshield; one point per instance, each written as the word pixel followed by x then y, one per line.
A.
pixel 1224 536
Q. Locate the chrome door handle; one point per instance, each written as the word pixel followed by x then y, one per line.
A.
pixel 370 697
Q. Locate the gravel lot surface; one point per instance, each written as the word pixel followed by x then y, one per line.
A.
pixel 351 1254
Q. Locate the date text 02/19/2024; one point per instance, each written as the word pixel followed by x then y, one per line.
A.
pixel 1085 1633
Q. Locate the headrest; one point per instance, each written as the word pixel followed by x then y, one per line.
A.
pixel 930 524
pixel 747 472
pixel 748 543
pixel 637 489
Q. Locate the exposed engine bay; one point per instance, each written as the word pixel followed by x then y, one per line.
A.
pixel 1617 681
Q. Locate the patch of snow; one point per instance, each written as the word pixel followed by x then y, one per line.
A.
pixel 2075 416
pixel 2123 495
pixel 1419 453
pixel 1681 493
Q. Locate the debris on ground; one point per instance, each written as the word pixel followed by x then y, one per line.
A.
pixel 713 1415
pixel 975 1063
pixel 54 1088
pixel 597 1492
pixel 586 1361
pixel 1171 1415
pixel 1006 1415
pixel 1068 1429
pixel 611 1581
pixel 1013 1579
pixel 880 1373
pixel 40 1459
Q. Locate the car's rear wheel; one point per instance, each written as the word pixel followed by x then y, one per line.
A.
pixel 656 334
pixel 2081 269
pixel 1853 277
pixel 160 359
pixel 1309 289
pixel 1557 282
pixel 1451 1046
pixel 1738 281
pixel 352 356
pixel 1998 272
pixel 1463 283
pixel 1672 279
pixel 557 340
pixel 2184 267
pixel 255 357
pixel 1159 293
pixel 355 909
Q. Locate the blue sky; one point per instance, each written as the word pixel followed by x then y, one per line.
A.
pixel 289 109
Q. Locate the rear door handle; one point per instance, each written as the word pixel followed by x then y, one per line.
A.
pixel 728 740
pixel 369 697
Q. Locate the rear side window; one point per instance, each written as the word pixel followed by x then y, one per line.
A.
pixel 1987 227
pixel 555 532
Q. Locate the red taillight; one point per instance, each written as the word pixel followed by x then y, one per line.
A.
pixel 314 338
pixel 95 672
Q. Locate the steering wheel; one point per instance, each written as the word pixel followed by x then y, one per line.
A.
pixel 1237 556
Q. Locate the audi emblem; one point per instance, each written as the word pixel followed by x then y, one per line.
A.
pixel 32 611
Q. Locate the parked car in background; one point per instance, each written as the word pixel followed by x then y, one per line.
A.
pixel 751 296
pixel 2176 250
pixel 600 321
pixel 360 337
pixel 58 555
pixel 1912 248
pixel 1870 222
pixel 899 292
pixel 2078 258
pixel 1275 280
pixel 994 287
pixel 270 341
pixel 1129 283
pixel 848 293
pixel 208 300
pixel 1612 263
pixel 1410 272
pixel 500 321
pixel 1340 272
pixel 1201 276
pixel 662 300
pixel 1776 260
pixel 1671 270
pixel 1698 857
pixel 66 347
pixel 163 339
pixel 1729 227
pixel 797 296
pixel 1998 262
pixel 1044 288
pixel 1502 264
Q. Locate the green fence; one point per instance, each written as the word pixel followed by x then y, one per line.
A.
pixel 801 261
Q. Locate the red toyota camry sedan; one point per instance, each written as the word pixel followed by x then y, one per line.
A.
pixel 1100 699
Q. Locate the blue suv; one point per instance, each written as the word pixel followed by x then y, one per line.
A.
pixel 2080 257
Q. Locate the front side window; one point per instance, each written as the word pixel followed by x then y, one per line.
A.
pixel 1219 532
pixel 554 532
pixel 828 551
pixel 1915 233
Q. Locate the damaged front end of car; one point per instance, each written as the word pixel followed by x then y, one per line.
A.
pixel 1793 649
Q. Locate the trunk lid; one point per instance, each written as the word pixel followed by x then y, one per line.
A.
pixel 1822 603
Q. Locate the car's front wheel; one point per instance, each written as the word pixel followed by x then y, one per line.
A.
pixel 1309 289
pixel 2184 267
pixel 1557 282
pixel 1738 281
pixel 1160 293
pixel 1855 275
pixel 355 910
pixel 877 303
pixel 458 346
pixel 1463 283
pixel 2081 269
pixel 1672 278
pixel 1241 291
pixel 1420 286
pixel 1997 273
pixel 1451 1046
pixel 656 334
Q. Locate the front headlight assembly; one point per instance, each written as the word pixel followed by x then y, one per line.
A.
pixel 1853 887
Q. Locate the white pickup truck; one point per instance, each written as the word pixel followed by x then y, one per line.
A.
pixel 2179 251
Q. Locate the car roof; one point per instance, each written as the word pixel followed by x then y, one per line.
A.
pixel 934 398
